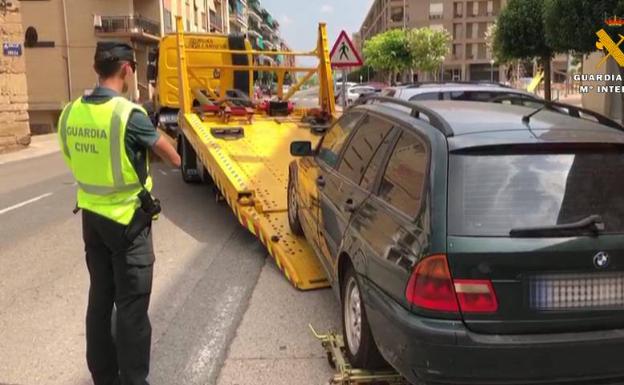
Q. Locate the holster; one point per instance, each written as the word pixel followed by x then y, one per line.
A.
pixel 143 216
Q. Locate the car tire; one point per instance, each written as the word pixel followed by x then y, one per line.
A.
pixel 360 346
pixel 293 206
pixel 188 167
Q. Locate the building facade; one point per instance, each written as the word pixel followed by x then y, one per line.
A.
pixel 14 127
pixel 466 21
pixel 60 38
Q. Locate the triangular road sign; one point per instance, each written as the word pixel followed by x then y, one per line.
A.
pixel 343 53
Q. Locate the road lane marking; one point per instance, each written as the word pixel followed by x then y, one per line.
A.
pixel 17 206
pixel 162 172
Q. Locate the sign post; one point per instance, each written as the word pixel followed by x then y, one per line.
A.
pixel 343 54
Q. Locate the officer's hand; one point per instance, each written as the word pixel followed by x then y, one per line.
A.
pixel 166 151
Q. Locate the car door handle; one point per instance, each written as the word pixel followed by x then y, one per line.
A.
pixel 349 206
pixel 320 181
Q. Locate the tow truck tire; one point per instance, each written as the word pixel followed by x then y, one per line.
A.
pixel 360 346
pixel 293 206
pixel 188 168
pixel 203 173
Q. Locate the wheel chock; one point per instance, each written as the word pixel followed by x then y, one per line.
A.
pixel 334 346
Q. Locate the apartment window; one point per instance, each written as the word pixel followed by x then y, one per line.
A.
pixel 168 21
pixel 490 8
pixel 396 14
pixel 436 10
pixel 469 29
pixel 469 51
pixel 458 9
pixel 458 31
pixel 483 8
pixel 457 51
pixel 204 21
pixel 482 30
pixel 481 51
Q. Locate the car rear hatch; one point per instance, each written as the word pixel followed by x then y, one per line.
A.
pixel 544 225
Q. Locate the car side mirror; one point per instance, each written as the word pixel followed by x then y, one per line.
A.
pixel 301 148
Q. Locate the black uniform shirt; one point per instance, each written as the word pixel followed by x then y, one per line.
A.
pixel 140 132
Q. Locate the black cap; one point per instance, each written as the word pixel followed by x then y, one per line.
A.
pixel 113 51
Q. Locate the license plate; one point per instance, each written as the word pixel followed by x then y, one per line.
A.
pixel 168 118
pixel 599 291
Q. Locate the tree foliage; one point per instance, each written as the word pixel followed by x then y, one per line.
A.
pixel 428 48
pixel 520 34
pixel 397 50
pixel 520 31
pixel 388 51
pixel 571 25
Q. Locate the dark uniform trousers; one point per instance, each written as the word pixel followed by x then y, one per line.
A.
pixel 121 274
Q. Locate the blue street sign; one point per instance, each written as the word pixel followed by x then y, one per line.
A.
pixel 12 49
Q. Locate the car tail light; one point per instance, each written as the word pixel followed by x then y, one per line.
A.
pixel 431 287
pixel 476 296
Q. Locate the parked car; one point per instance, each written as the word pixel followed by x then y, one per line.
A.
pixel 457 91
pixel 355 92
pixel 471 242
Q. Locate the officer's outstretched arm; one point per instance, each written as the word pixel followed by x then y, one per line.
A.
pixel 166 152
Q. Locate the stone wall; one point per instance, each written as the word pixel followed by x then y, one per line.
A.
pixel 14 127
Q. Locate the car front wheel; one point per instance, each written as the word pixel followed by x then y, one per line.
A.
pixel 360 345
pixel 293 206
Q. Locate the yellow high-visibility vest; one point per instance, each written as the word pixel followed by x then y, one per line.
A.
pixel 92 137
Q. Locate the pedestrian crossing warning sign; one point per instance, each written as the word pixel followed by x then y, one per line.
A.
pixel 343 53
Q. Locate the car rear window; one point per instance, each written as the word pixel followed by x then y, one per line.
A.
pixel 492 193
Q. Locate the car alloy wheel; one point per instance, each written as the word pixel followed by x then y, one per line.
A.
pixel 353 315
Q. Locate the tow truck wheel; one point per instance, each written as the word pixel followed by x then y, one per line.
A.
pixel 188 168
pixel 293 206
pixel 203 173
pixel 359 343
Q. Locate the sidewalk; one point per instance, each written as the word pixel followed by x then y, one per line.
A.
pixel 40 145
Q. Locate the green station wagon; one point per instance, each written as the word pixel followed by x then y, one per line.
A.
pixel 471 242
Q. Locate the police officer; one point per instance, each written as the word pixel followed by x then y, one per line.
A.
pixel 105 140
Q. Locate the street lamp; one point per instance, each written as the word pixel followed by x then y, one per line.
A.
pixel 492 70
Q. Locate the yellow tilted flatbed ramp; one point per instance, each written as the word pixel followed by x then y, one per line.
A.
pixel 252 174
pixel 248 158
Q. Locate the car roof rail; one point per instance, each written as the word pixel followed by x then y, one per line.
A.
pixel 563 108
pixel 458 82
pixel 435 119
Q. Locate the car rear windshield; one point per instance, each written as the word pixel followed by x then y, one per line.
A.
pixel 492 192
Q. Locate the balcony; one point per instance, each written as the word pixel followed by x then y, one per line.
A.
pixel 216 23
pixel 253 14
pixel 238 18
pixel 134 27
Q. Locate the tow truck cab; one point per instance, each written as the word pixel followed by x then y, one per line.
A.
pixel 200 48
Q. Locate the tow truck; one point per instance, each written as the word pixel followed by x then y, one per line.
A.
pixel 241 144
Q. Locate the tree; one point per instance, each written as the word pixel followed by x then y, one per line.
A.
pixel 388 51
pixel 428 48
pixel 571 25
pixel 520 34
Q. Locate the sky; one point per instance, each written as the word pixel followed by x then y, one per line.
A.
pixel 299 19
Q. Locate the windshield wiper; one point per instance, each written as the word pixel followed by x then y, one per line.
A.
pixel 593 223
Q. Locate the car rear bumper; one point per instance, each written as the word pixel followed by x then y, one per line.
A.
pixel 433 351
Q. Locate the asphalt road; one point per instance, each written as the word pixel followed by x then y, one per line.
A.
pixel 221 312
